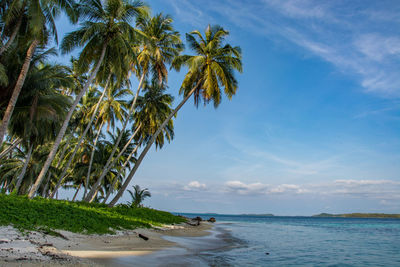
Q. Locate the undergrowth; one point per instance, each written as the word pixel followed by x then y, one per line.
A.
pixel 77 217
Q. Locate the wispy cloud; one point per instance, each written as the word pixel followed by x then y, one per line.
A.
pixel 373 189
pixel 359 40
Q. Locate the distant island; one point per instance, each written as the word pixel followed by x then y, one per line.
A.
pixel 259 215
pixel 360 215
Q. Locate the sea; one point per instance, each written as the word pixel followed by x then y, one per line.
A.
pixel 284 241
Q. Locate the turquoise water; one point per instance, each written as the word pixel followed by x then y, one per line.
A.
pixel 305 241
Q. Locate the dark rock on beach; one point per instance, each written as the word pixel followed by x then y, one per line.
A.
pixel 212 219
pixel 199 219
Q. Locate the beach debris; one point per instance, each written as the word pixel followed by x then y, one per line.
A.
pixel 192 224
pixel 212 219
pixel 143 237
pixel 199 219
pixel 45 245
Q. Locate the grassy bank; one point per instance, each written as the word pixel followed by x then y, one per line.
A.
pixel 78 217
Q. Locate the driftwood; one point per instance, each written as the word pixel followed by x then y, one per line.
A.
pixel 199 219
pixel 193 224
pixel 143 237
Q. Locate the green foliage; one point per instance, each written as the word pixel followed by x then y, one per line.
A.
pixel 78 217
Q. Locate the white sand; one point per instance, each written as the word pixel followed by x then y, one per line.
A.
pixel 37 249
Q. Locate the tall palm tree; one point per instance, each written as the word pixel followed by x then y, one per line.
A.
pixel 82 136
pixel 160 45
pixel 107 28
pixel 40 16
pixel 138 195
pixel 40 108
pixel 210 70
pixel 110 108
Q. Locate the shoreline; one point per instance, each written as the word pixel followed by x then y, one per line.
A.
pixel 71 249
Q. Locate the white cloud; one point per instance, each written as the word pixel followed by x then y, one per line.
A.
pixel 262 189
pixel 195 186
pixel 373 189
pixel 245 189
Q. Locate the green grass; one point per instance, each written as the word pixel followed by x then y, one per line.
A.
pixel 77 217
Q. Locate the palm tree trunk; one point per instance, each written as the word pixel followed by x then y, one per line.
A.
pixel 91 160
pixel 44 192
pixel 109 165
pixel 63 174
pixel 149 144
pixel 12 37
pixel 90 196
pixel 76 193
pixel 63 129
pixel 17 89
pixel 11 147
pixel 4 187
pixel 119 173
pixel 23 171
pixel 47 183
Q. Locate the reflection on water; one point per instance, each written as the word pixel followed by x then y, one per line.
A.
pixel 283 241
pixel 190 251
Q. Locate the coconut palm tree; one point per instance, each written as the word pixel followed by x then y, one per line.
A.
pixel 107 27
pixel 125 147
pixel 210 71
pixel 111 108
pixel 160 45
pixel 82 136
pixel 138 196
pixel 39 109
pixel 39 16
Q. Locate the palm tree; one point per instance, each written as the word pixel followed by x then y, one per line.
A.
pixel 110 109
pixel 82 136
pixel 160 45
pixel 124 167
pixel 138 196
pixel 11 21
pixel 125 147
pixel 40 17
pixel 210 70
pixel 107 28
pixel 39 109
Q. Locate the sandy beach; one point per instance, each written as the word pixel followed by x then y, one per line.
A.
pixel 37 249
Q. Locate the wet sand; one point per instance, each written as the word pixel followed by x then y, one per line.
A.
pixel 37 249
pixel 187 251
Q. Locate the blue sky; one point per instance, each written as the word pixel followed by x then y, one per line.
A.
pixel 315 125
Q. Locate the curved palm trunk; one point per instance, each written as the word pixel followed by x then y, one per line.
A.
pixel 63 174
pixel 109 165
pixel 146 149
pixel 11 147
pixel 12 37
pixel 23 171
pixel 91 159
pixel 91 194
pixel 46 186
pixel 63 129
pixel 17 89
pixel 76 193
pixel 119 173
